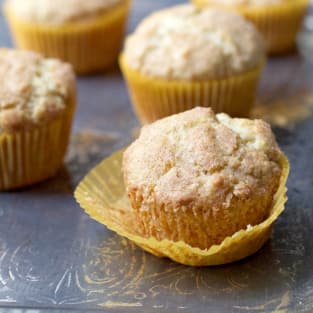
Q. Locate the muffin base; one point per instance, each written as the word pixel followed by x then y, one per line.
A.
pixel 89 46
pixel 156 98
pixel 102 195
pixel 279 24
pixel 28 157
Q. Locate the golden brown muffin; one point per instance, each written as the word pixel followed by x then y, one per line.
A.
pixel 37 100
pixel 33 90
pixel 198 177
pixel 183 57
pixel 59 11
pixel 186 43
pixel 87 34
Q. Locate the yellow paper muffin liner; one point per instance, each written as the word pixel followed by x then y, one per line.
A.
pixel 30 156
pixel 102 195
pixel 279 24
pixel 89 45
pixel 154 98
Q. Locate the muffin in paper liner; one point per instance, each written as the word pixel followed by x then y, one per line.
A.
pixel 155 98
pixel 102 195
pixel 279 24
pixel 89 46
pixel 30 156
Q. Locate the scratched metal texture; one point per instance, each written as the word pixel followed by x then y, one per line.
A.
pixel 54 258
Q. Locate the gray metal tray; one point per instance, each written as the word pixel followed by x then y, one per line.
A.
pixel 54 258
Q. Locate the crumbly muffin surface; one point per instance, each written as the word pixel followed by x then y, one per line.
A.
pixel 33 90
pixel 59 11
pixel 221 171
pixel 186 43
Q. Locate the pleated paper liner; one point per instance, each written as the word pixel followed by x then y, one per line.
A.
pixel 102 195
pixel 89 45
pixel 156 98
pixel 27 157
pixel 279 24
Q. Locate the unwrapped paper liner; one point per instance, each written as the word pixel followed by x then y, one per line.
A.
pixel 102 195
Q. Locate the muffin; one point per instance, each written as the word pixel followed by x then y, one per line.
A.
pixel 87 34
pixel 198 177
pixel 204 189
pixel 279 21
pixel 183 57
pixel 37 101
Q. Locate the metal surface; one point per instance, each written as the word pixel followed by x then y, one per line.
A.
pixel 55 258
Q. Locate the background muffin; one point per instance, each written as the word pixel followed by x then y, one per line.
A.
pixel 37 100
pixel 87 34
pixel 184 57
pixel 279 21
pixel 198 178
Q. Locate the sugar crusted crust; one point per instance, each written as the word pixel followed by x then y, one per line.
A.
pixel 198 177
pixel 188 43
pixel 59 11
pixel 33 90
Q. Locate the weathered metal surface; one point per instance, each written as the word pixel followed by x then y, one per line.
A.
pixel 55 258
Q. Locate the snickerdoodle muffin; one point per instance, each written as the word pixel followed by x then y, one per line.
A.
pixel 279 21
pixel 87 34
pixel 198 177
pixel 37 101
pixel 183 57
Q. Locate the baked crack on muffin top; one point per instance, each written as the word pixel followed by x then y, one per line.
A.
pixel 33 90
pixel 188 43
pixel 219 171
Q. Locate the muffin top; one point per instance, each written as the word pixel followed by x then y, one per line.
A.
pixel 186 43
pixel 33 90
pixel 59 11
pixel 252 3
pixel 199 159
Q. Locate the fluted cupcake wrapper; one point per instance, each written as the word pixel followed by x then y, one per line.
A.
pixel 279 24
pixel 102 195
pixel 88 45
pixel 156 98
pixel 30 156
